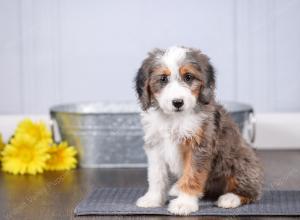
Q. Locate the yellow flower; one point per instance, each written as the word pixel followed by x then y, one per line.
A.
pixel 1 143
pixel 62 157
pixel 38 131
pixel 24 155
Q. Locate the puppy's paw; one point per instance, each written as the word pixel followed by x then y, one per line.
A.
pixel 181 206
pixel 174 190
pixel 229 200
pixel 150 200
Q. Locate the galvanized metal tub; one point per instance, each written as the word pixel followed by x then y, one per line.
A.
pixel 109 134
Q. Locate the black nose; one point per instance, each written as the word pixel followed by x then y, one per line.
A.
pixel 177 103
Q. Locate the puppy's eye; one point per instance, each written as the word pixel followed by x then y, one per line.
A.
pixel 163 79
pixel 188 77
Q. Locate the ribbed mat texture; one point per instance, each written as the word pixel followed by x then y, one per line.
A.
pixel 121 201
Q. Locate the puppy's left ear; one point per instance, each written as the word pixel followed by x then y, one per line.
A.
pixel 142 87
pixel 142 78
pixel 207 93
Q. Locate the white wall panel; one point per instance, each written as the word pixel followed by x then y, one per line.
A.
pixel 255 43
pixel 40 22
pixel 268 46
pixel 287 59
pixel 10 68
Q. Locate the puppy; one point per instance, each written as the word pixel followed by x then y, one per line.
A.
pixel 190 136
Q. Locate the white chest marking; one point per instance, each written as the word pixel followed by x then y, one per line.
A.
pixel 164 133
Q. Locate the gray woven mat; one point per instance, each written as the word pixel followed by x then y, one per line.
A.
pixel 121 201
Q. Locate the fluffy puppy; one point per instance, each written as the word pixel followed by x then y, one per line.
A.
pixel 189 135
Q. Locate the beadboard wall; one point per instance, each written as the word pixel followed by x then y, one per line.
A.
pixel 55 51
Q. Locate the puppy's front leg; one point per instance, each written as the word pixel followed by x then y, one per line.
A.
pixel 190 186
pixel 157 180
pixel 190 189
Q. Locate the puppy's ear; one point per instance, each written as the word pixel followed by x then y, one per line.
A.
pixel 207 93
pixel 142 79
pixel 142 87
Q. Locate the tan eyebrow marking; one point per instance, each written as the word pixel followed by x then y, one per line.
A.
pixel 187 69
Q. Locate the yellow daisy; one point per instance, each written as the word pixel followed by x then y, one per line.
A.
pixel 37 130
pixel 24 155
pixel 1 143
pixel 62 157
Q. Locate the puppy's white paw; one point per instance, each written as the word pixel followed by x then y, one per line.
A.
pixel 174 190
pixel 150 200
pixel 181 206
pixel 229 200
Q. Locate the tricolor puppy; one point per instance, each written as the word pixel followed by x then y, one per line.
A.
pixel 190 136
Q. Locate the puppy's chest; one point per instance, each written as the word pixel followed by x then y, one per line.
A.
pixel 166 134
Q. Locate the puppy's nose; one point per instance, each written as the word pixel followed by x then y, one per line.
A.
pixel 177 103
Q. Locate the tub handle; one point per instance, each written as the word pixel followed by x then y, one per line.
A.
pixel 252 127
pixel 55 131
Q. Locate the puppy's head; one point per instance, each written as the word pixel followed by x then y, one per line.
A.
pixel 175 80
